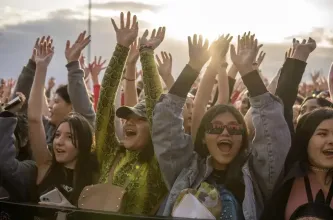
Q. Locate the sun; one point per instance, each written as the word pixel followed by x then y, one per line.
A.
pixel 212 18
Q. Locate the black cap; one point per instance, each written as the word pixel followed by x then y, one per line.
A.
pixel 139 110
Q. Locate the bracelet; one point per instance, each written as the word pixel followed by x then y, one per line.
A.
pixel 128 79
pixel 143 47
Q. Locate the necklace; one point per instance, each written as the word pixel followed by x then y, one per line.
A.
pixel 319 169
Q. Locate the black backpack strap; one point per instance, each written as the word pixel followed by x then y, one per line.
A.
pixel 308 189
pixel 329 195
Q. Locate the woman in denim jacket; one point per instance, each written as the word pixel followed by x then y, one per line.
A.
pixel 218 156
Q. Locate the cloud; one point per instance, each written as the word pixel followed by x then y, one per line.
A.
pixel 64 14
pixel 127 6
pixel 317 33
pixel 16 40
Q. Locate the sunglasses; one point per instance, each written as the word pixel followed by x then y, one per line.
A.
pixel 233 129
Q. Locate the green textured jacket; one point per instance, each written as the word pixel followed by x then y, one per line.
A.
pixel 146 188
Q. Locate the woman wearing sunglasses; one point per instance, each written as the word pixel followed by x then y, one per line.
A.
pixel 220 155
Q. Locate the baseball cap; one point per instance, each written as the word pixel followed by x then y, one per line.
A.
pixel 139 110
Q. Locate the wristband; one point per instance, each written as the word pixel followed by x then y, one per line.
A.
pixel 128 79
pixel 143 47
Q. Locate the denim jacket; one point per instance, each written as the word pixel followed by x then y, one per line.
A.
pixel 183 168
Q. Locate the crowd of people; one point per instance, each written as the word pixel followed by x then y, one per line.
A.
pixel 140 142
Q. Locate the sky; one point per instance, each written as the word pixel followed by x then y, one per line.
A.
pixel 274 22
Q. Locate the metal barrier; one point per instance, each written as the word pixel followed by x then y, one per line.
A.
pixel 22 211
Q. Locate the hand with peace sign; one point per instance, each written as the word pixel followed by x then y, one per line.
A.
pixel 73 53
pixel 155 38
pixel 126 34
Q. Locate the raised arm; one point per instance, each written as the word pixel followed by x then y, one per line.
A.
pixel 37 136
pixel 130 93
pixel 248 116
pixel 173 147
pixel 106 138
pixel 77 89
pixel 218 65
pixel 27 75
pixel 272 138
pixel 291 76
pixel 202 98
pixel 95 68
pixel 151 79
pixel 164 67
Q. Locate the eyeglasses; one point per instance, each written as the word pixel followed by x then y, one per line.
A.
pixel 233 129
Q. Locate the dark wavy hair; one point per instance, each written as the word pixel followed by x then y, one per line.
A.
pixel 234 176
pixel 86 166
pixel 306 126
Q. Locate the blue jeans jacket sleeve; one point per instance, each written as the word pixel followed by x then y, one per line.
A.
pixel 271 142
pixel 16 176
pixel 173 147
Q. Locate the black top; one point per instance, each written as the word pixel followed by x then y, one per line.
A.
pixel 218 176
pixel 319 208
pixel 63 180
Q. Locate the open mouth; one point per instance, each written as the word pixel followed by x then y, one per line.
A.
pixel 130 132
pixel 59 151
pixel 224 146
pixel 328 152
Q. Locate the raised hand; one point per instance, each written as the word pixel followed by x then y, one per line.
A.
pixel 7 89
pixel 219 49
pixel 248 50
pixel 38 43
pixel 259 60
pixel 95 68
pixel 155 38
pixel 323 84
pixel 51 83
pixel 165 66
pixel 133 54
pixel 198 52
pixel 303 49
pixel 73 53
pixel 315 76
pixel 126 34
pixel 43 55
pixel 84 67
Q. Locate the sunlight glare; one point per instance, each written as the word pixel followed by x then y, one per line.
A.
pixel 212 18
